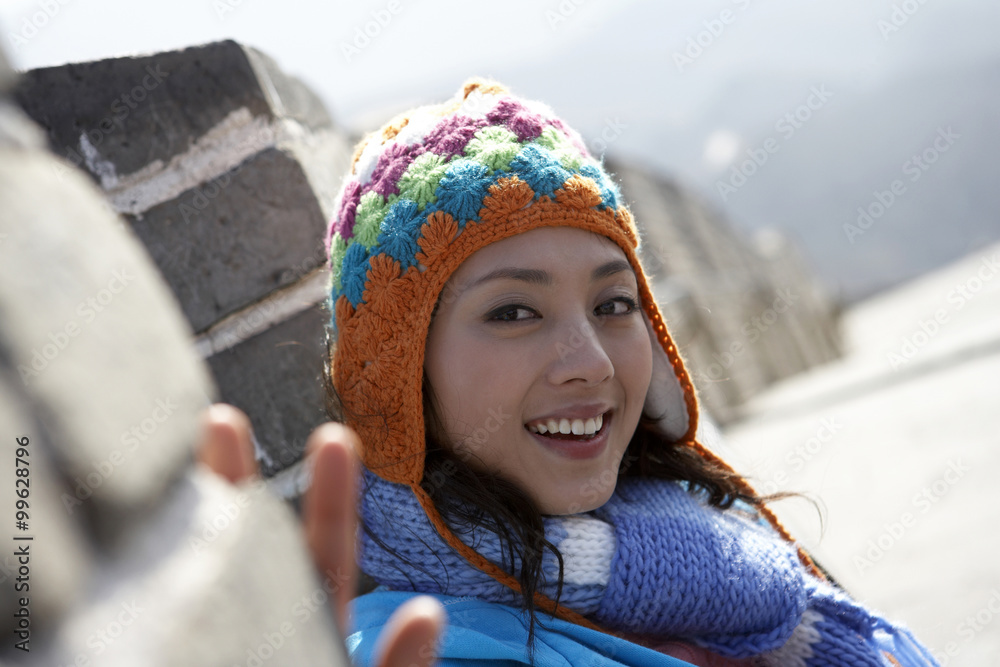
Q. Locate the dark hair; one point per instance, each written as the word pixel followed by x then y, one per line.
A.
pixel 467 497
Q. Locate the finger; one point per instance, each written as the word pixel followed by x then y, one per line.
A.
pixel 225 443
pixel 410 637
pixel 329 510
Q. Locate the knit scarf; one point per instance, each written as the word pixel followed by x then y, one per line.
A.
pixel 654 561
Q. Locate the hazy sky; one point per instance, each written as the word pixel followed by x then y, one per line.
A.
pixel 594 61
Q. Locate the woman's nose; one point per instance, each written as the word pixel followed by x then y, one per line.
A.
pixel 579 355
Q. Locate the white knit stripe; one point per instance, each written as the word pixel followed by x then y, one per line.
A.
pixel 587 550
pixel 477 105
pixel 365 165
pixel 422 121
pixel 798 648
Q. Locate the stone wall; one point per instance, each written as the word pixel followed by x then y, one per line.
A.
pixel 226 169
pixel 125 552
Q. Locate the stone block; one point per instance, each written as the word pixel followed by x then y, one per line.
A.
pixel 276 378
pixel 133 112
pixel 231 241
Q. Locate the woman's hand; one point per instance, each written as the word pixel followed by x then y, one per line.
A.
pixel 330 519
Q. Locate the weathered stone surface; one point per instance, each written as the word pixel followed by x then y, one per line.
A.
pixel 97 342
pixel 51 582
pixel 216 575
pixel 276 378
pixel 233 240
pixel 134 111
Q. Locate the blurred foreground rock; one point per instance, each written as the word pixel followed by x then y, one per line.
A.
pixel 131 553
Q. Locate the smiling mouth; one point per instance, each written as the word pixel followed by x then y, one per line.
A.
pixel 570 429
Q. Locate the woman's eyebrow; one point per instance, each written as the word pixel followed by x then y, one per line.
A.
pixel 540 277
pixel 533 276
pixel 610 269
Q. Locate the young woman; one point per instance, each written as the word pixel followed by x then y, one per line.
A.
pixel 528 430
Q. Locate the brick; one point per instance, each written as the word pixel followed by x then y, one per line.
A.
pixel 288 356
pixel 140 110
pixel 233 240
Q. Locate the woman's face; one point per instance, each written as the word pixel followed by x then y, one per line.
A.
pixel 539 360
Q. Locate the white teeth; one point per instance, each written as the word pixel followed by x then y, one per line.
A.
pixel 588 426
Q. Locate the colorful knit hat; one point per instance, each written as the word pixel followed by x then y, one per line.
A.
pixel 424 193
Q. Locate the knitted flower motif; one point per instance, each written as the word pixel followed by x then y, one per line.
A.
pixel 460 193
pixel 383 270
pixel 452 134
pixel 507 196
pixel 609 191
pixel 539 168
pixel 391 165
pixel 579 192
pixel 353 275
pixel 493 146
pixel 421 179
pixel 370 214
pixel 338 248
pixel 400 231
pixel 568 155
pixel 517 118
pixel 343 222
pixel 435 236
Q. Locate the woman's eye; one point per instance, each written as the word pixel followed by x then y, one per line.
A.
pixel 622 305
pixel 511 314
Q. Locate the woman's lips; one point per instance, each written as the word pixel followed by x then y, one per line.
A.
pixel 577 447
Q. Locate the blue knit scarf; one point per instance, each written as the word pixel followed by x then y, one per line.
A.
pixel 677 569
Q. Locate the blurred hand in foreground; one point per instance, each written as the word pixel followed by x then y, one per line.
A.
pixel 330 519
